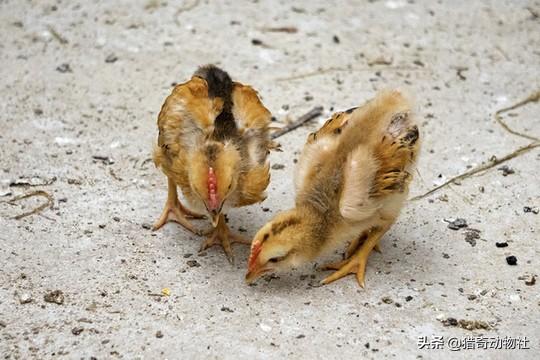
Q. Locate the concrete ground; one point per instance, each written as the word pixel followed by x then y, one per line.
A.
pixel 81 86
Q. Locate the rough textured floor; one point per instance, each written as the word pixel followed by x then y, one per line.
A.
pixel 81 86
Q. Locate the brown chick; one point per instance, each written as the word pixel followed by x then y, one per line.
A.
pixel 351 182
pixel 213 143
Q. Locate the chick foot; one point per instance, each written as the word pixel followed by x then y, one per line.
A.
pixel 221 235
pixel 356 264
pixel 175 211
pixel 351 250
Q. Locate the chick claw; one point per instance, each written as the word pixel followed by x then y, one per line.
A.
pixel 175 211
pixel 221 235
pixel 356 264
pixel 334 265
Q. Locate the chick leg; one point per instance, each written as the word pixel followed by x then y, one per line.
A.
pixel 353 246
pixel 175 211
pixel 356 264
pixel 351 250
pixel 221 235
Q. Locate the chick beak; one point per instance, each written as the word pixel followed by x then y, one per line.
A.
pixel 255 273
pixel 214 215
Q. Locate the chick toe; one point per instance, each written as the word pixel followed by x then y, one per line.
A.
pixel 221 235
pixel 174 211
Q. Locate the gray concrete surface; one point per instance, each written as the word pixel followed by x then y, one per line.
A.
pixel 461 60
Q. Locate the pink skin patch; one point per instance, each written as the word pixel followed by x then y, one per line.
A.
pixel 213 199
pixel 255 251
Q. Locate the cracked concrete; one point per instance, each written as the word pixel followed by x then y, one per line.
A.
pixel 81 88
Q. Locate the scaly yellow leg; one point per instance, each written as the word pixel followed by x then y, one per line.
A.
pixel 175 211
pixel 353 246
pixel 351 249
pixel 356 264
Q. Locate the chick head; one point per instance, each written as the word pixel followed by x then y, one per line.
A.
pixel 214 172
pixel 277 246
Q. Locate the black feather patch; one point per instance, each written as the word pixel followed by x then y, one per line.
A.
pixel 225 127
pixel 219 83
pixel 220 86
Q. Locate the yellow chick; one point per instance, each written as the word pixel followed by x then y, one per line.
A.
pixel 351 182
pixel 213 143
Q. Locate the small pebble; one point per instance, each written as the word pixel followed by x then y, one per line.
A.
pixel 278 166
pixel 104 159
pixel 77 330
pixel 146 226
pixel 531 281
pixel 511 260
pixel 471 236
pixel 25 298
pixel 56 297
pixel 111 59
pixel 193 263
pixel 450 322
pixel 159 334
pixel 501 244
pixel 408 298
pixel 506 170
pixel 64 68
pixel 528 209
pixel 457 224
pixel 387 300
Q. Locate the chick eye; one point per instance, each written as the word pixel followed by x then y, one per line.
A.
pixel 276 259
